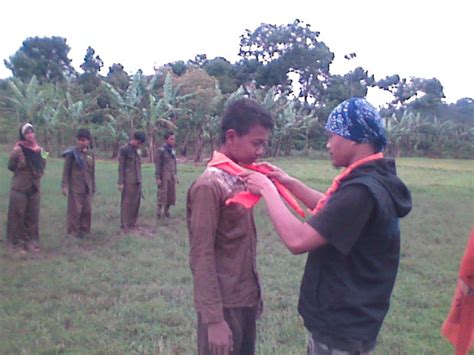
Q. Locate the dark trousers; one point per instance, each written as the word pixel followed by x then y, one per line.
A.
pixel 317 348
pixel 243 324
pixel 79 213
pixel 130 204
pixel 23 217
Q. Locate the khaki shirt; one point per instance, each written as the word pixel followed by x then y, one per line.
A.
pixel 223 243
pixel 165 164
pixel 129 171
pixel 24 178
pixel 77 179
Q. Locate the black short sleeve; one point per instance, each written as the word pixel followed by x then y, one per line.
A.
pixel 344 216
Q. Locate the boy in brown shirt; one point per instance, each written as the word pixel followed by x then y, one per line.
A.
pixel 78 184
pixel 223 239
pixel 130 181
pixel 166 175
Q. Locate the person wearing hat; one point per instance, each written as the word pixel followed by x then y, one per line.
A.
pixel 166 175
pixel 130 181
pixel 78 184
pixel 27 162
pixel 353 236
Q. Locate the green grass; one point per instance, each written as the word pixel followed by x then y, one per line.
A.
pixel 130 294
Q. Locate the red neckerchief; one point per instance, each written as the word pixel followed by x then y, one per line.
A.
pixel 337 180
pixel 246 198
pixel 458 327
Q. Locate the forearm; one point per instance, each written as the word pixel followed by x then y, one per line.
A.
pixel 304 193
pixel 297 235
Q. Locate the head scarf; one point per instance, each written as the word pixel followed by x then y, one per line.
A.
pixel 357 120
pixel 24 129
pixel 31 150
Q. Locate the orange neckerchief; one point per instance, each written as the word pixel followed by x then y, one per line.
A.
pixel 246 198
pixel 337 180
pixel 458 327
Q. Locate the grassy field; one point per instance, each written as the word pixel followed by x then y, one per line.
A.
pixel 132 294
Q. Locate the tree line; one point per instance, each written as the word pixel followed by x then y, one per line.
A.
pixel 284 67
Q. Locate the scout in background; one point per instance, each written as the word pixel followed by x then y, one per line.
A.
pixel 78 184
pixel 166 175
pixel 130 181
pixel 27 161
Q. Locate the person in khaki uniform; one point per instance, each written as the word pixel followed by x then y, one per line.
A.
pixel 130 181
pixel 223 238
pixel 166 175
pixel 27 161
pixel 78 184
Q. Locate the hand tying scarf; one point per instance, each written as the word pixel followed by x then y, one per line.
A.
pixel 338 179
pixel 246 198
pixel 458 327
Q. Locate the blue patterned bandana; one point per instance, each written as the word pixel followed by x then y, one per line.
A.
pixel 357 120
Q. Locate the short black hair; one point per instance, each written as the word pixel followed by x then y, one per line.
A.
pixel 168 134
pixel 243 114
pixel 140 136
pixel 83 133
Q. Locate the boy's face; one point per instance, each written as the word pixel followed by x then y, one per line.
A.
pixel 171 140
pixel 136 143
pixel 247 148
pixel 82 143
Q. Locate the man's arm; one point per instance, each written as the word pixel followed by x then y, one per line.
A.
pixel 158 162
pixel 205 209
pixel 121 168
pixel 301 191
pixel 93 174
pixel 304 193
pixel 66 170
pixel 13 159
pixel 299 237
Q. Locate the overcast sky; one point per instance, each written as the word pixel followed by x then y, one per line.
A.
pixel 408 37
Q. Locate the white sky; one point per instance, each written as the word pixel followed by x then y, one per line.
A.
pixel 407 37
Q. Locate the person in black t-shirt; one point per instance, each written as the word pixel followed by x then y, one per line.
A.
pixel 352 238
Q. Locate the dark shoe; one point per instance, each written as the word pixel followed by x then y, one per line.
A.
pixel 33 247
pixel 17 249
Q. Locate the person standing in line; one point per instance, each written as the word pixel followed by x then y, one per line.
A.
pixel 166 175
pixel 27 162
pixel 130 181
pixel 223 237
pixel 353 237
pixel 78 185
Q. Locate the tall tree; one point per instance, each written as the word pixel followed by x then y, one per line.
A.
pixel 292 48
pixel 90 80
pixel 43 57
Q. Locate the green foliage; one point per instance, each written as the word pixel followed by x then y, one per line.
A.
pixel 285 67
pixel 46 58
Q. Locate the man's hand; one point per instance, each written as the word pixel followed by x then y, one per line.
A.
pixel 277 173
pixel 256 182
pixel 158 182
pixel 219 336
pixel 120 187
pixel 65 191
